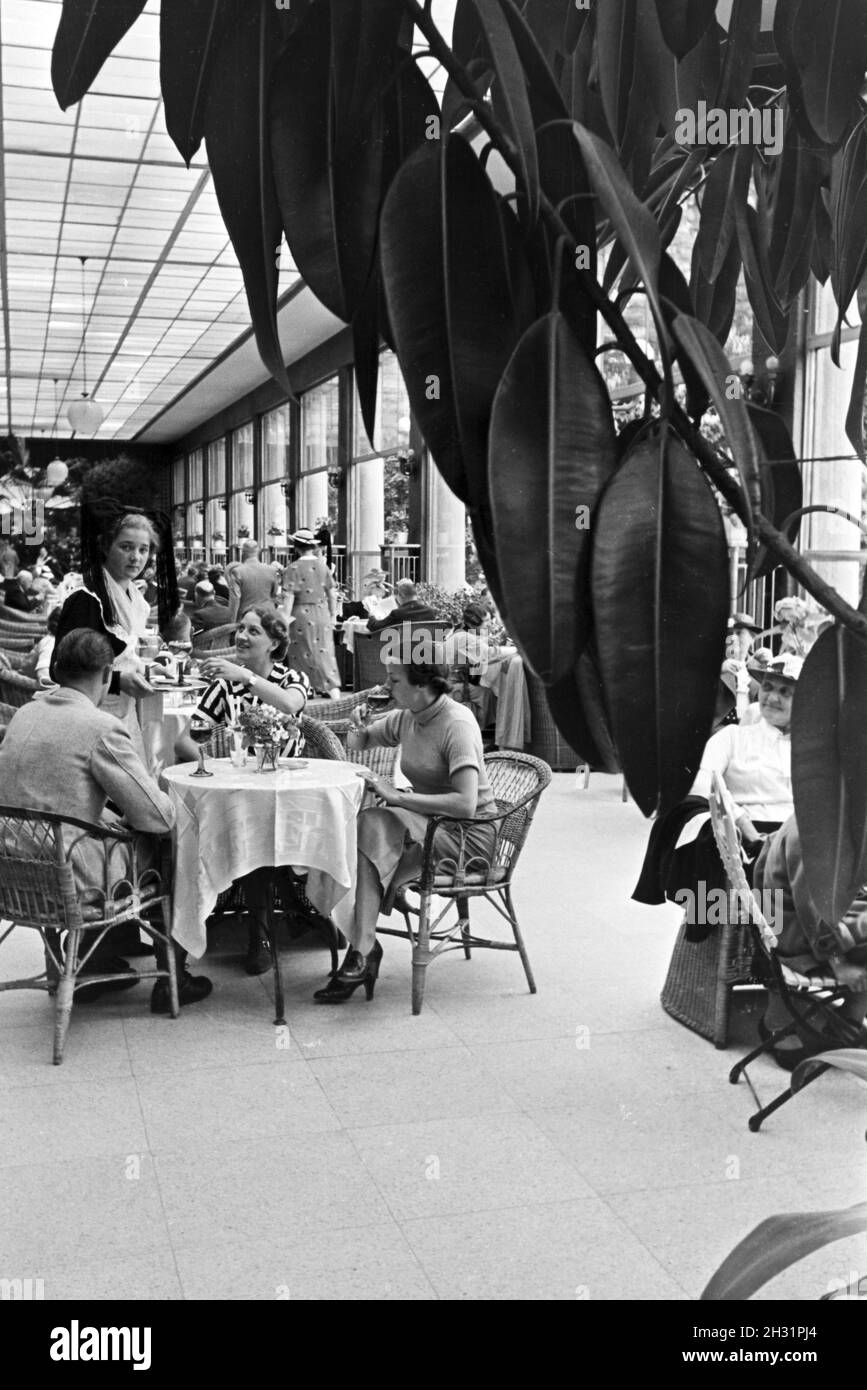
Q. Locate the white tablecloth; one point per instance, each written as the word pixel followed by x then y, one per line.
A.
pixel 163 718
pixel 240 820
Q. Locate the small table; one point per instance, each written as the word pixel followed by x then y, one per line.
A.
pixel 240 820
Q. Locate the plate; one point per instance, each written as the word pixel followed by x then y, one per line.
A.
pixel 294 764
pixel 191 683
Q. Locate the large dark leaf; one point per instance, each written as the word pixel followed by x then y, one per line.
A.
pixel 89 30
pixel 829 769
pixel 713 367
pixel 577 707
pixel 771 319
pixel 794 190
pixel 683 22
pixel 777 1243
pixel 829 46
pixel 659 577
pixel 459 297
pixel 236 138
pixel 615 51
pixel 725 191
pixel 656 62
pixel 546 102
pixel 855 413
pixel 552 449
pixel 190 33
pixel 739 54
pixel 782 485
pixel 547 24
pixel 513 96
pixel 676 299
pixel 364 41
pixel 849 217
pixel 715 303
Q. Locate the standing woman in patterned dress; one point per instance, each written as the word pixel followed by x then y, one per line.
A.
pixel 310 603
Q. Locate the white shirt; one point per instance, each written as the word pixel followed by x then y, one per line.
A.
pixel 755 763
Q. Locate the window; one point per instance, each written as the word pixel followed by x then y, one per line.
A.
pixel 320 417
pixel 179 482
pixel 242 457
pixel 217 468
pixel 275 444
pixel 196 475
pixel 391 431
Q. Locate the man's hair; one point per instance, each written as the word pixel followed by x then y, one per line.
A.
pixel 178 627
pixel 204 589
pixel 82 652
pixel 25 578
pixel 405 590
pixel 215 574
pixel 250 547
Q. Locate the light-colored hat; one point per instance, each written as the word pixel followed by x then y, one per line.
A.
pixel 743 620
pixel 303 536
pixel 786 667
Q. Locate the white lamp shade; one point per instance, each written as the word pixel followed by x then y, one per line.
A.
pixel 85 416
pixel 56 473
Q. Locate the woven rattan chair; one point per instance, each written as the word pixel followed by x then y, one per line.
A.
pixel 371 647
pixel 335 711
pixel 806 997
pixel 380 760
pixel 320 741
pixel 38 890
pixel 16 689
pixel 12 618
pixel 16 644
pixel 15 661
pixel 212 639
pixel 517 782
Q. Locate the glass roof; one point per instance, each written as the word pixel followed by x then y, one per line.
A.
pixel 163 292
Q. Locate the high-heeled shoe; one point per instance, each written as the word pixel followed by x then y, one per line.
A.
pixel 356 970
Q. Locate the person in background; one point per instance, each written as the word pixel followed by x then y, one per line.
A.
pixel 9 562
pixel 376 600
pixel 38 663
pixel 207 612
pixel 64 754
pixel 179 627
pixel 409 609
pixel 221 588
pixel 250 583
pixel 18 593
pixel 309 600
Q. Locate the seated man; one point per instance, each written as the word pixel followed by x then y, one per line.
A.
pixel 805 941
pixel 207 612
pixel 375 601
pixel 62 754
pixel 409 609
pixel 19 593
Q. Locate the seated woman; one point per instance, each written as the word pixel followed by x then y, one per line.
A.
pixel 754 763
pixel 38 663
pixel 441 756
pixel 256 676
pixel 806 943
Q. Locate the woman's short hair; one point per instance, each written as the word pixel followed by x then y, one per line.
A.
pixel 82 652
pixel 429 674
pixel 52 622
pixel 130 520
pixel 276 627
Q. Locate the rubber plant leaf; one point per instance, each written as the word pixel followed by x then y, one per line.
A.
pixel 513 96
pixel 829 46
pixel 190 33
pixel 683 22
pixel 89 30
pixel 577 707
pixel 849 217
pixel 552 448
pixel 660 594
pixel 782 484
pixel 725 190
pixel 829 769
pixel 775 1245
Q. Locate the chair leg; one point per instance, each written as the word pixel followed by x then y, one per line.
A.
pixel 755 1121
pixel 65 993
pixel 421 953
pixel 519 941
pixel 464 915
pixel 279 1005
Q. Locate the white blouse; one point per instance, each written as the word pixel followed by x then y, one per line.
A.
pixel 755 763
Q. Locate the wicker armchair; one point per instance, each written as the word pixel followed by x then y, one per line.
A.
pixel 16 644
pixel 15 661
pixel 319 740
pixel 16 689
pixel 804 996
pixel 335 711
pixel 213 638
pixel 38 890
pixel 517 782
pixel 13 618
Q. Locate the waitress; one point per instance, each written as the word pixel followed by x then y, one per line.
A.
pixel 117 545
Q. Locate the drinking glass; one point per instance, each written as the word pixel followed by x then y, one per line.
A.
pixel 200 733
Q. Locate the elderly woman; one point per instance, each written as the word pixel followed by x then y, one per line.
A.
pixel 441 756
pixel 257 675
pixel 807 943
pixel 754 763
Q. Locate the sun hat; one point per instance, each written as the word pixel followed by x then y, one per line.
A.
pixel 743 620
pixel 786 667
pixel 303 536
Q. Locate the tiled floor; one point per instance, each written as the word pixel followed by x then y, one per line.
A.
pixel 575 1144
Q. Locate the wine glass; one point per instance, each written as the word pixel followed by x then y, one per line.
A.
pixel 200 732
pixel 181 651
pixel 379 698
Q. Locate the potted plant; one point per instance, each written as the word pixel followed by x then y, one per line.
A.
pixel 243 532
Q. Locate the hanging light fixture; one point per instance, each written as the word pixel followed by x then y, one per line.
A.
pixel 85 416
pixel 57 472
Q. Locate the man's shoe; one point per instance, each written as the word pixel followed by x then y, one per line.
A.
pixel 191 988
pixel 85 993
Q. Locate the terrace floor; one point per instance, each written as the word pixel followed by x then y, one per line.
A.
pixel 574 1144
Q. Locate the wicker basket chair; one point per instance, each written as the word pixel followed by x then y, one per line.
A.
pixel 805 996
pixel 212 639
pixel 320 741
pixel 16 643
pixel 371 648
pixel 38 890
pixel 335 711
pixel 517 781
pixel 16 689
pixel 15 661
pixel 12 618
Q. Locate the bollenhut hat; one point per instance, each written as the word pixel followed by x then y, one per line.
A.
pixel 786 667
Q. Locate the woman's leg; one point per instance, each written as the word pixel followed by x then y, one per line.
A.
pixel 368 900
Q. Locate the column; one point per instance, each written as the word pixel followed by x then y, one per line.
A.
pixel 444 531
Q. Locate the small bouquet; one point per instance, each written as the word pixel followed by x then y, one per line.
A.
pixel 265 727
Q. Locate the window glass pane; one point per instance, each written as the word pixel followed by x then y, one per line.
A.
pixel 195 523
pixel 215 530
pixel 242 457
pixel 319 427
pixel 243 518
pixel 217 468
pixel 391 432
pixel 196 474
pixel 179 484
pixel 275 443
pixel 274 515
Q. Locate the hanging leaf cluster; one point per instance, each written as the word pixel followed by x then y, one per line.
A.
pixel 470 247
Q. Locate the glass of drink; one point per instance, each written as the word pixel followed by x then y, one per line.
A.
pixel 378 700
pixel 200 732
pixel 181 652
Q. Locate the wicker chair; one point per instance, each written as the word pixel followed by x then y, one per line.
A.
pixel 320 741
pixel 38 890
pixel 16 644
pixel 335 711
pixel 16 689
pixel 368 654
pixel 805 996
pixel 16 660
pixel 517 782
pixel 13 618
pixel 213 638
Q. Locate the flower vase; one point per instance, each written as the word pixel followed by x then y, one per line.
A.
pixel 266 756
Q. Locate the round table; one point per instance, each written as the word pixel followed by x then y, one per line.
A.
pixel 240 820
